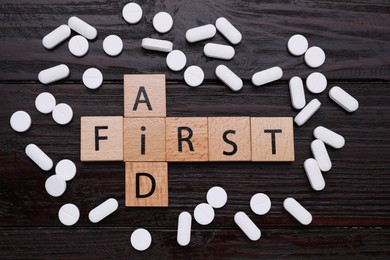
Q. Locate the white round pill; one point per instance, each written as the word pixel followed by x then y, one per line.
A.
pixel 66 169
pixel 141 239
pixel 216 197
pixel 162 22
pixel 132 13
pixel 112 45
pixel 45 103
pixel 316 82
pixel 92 78
pixel 20 121
pixel 314 57
pixel 204 214
pixel 297 45
pixel 193 76
pixel 260 203
pixel 78 45
pixel 69 214
pixel 62 114
pixel 55 185
pixel 176 60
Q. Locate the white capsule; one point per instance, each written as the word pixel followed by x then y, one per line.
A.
pixel 343 99
pixel 78 45
pixel 216 197
pixel 45 103
pixel 62 114
pixel 218 51
pixel 297 45
pixel 69 214
pixel 157 45
pixel 204 214
pixel 55 186
pixel 66 169
pixel 112 45
pixel 247 226
pixel 39 157
pixel 20 121
pixel 103 210
pixel 132 13
pixel 297 92
pixel 141 239
pixel 297 211
pixel 92 78
pixel 260 204
pixel 321 155
pixel 193 76
pixel 267 76
pixel 55 37
pixel 184 228
pixel 201 33
pixel 162 22
pixel 228 77
pixel 314 174
pixel 314 57
pixel 176 60
pixel 81 27
pixel 307 112
pixel 329 137
pixel 228 30
pixel 53 74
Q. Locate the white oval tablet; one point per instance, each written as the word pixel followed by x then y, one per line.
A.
pixel 53 74
pixel 297 92
pixel 204 214
pixel 62 114
pixel 103 210
pixel 316 82
pixel 66 169
pixel 314 174
pixel 157 45
pixel 176 60
pixel 260 203
pixel 201 33
pixel 45 103
pixel 184 228
pixel 247 226
pixel 228 30
pixel 55 186
pixel 329 137
pixel 193 76
pixel 321 155
pixel 69 214
pixel 132 13
pixel 267 76
pixel 314 57
pixel 78 45
pixel 81 27
pixel 343 99
pixel 20 121
pixel 55 37
pixel 39 157
pixel 218 51
pixel 141 239
pixel 307 112
pixel 297 211
pixel 216 197
pixel 92 78
pixel 297 45
pixel 228 77
pixel 162 22
pixel 112 45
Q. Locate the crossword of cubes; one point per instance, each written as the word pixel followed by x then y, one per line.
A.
pixel 145 139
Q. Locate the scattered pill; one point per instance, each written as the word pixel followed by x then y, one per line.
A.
pixel 81 27
pixel 201 33
pixel 204 214
pixel 216 197
pixel 297 211
pixel 53 74
pixel 314 174
pixel 343 99
pixel 176 60
pixel 193 76
pixel 162 22
pixel 45 103
pixel 228 77
pixel 297 45
pixel 219 51
pixel 329 137
pixel 78 45
pixel 112 45
pixel 140 239
pixel 184 228
pixel 297 92
pixel 316 82
pixel 157 45
pixel 247 226
pixel 55 186
pixel 103 210
pixel 321 155
pixel 132 13
pixel 228 30
pixel 20 121
pixel 62 114
pixel 69 214
pixel 314 57
pixel 55 37
pixel 39 157
pixel 92 78
pixel 260 204
pixel 267 76
pixel 66 169
pixel 307 112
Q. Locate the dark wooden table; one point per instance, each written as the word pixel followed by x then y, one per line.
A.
pixel 351 216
